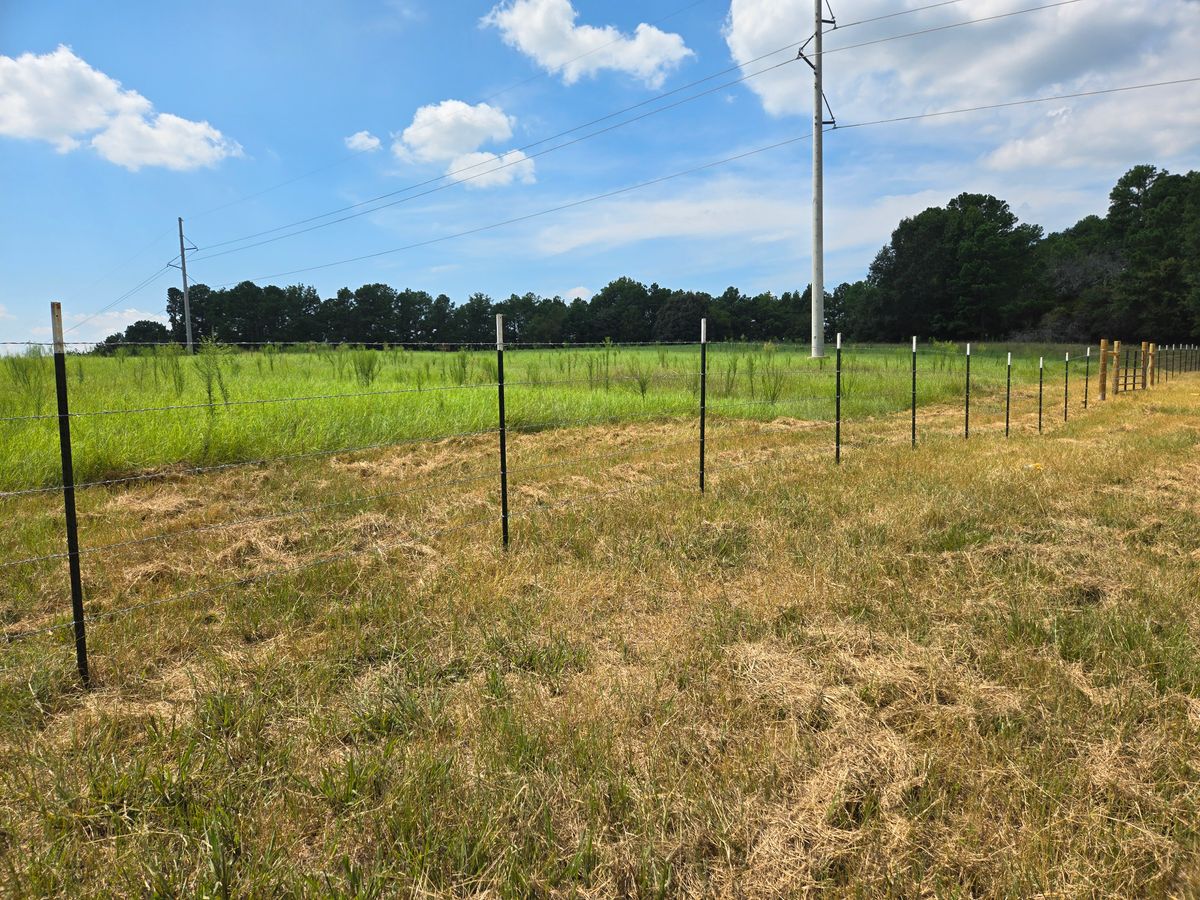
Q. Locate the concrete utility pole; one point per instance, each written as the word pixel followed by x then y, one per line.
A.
pixel 818 186
pixel 187 307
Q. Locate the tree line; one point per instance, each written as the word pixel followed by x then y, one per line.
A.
pixel 968 270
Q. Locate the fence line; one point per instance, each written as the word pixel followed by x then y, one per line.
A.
pixel 1137 368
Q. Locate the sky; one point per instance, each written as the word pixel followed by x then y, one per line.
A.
pixel 243 118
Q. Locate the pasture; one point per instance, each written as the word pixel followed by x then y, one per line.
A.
pixel 148 409
pixel 966 670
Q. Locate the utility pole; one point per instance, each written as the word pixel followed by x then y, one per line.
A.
pixel 818 177
pixel 187 307
pixel 818 188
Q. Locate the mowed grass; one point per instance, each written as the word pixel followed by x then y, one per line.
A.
pixel 968 670
pixel 156 409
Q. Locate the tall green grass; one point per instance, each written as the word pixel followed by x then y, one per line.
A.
pixel 139 411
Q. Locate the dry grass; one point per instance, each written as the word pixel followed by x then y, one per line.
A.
pixel 971 670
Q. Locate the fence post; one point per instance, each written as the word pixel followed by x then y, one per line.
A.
pixel 914 393
pixel 1041 382
pixel 1153 364
pixel 1144 359
pixel 703 391
pixel 1066 384
pixel 1087 375
pixel 1103 369
pixel 68 481
pixel 967 398
pixel 1008 395
pixel 837 428
pixel 1116 375
pixel 503 430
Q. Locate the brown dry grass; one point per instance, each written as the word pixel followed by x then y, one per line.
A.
pixel 966 671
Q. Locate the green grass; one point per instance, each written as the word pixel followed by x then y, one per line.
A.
pixel 420 395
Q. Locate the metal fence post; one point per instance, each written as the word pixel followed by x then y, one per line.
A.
pixel 1008 395
pixel 837 429
pixel 914 392
pixel 967 398
pixel 1041 382
pixel 503 429
pixel 703 392
pixel 68 481
pixel 1066 384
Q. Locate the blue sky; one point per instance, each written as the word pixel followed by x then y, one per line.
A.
pixel 117 118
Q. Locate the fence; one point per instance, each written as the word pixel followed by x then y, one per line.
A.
pixel 876 379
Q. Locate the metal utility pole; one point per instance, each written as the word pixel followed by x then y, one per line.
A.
pixel 187 307
pixel 817 62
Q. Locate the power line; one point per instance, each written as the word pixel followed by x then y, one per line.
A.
pixel 442 187
pixel 356 153
pixel 564 133
pixel 129 293
pixel 903 12
pixel 489 171
pixel 1010 103
pixel 937 28
pixel 729 159
pixel 528 216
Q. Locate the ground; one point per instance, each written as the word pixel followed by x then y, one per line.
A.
pixel 971 669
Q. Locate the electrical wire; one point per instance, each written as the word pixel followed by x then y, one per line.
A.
pixel 729 159
pixel 558 67
pixel 514 162
pixel 457 172
pixel 129 293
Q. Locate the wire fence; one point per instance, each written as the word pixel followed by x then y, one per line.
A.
pixel 739 392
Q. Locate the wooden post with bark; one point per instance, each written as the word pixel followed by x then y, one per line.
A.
pixel 1116 374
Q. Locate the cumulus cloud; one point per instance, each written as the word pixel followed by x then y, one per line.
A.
pixel 1101 44
pixel 578 293
pixel 4 313
pixel 441 131
pixel 363 141
pixel 482 169
pixel 58 98
pixel 546 32
pixel 453 132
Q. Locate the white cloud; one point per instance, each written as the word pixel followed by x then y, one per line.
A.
pixel 97 328
pixel 715 212
pixel 453 132
pixel 578 293
pixel 442 131
pixel 483 169
pixel 545 31
pixel 1097 45
pixel 4 313
pixel 60 99
pixel 363 141
pixel 166 140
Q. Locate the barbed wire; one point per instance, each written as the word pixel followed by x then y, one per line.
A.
pixel 253 520
pixel 195 470
pixel 13 637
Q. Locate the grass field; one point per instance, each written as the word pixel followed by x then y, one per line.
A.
pixel 968 670
pixel 416 395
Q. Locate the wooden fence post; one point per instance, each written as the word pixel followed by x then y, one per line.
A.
pixel 1103 368
pixel 1145 361
pixel 1116 378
